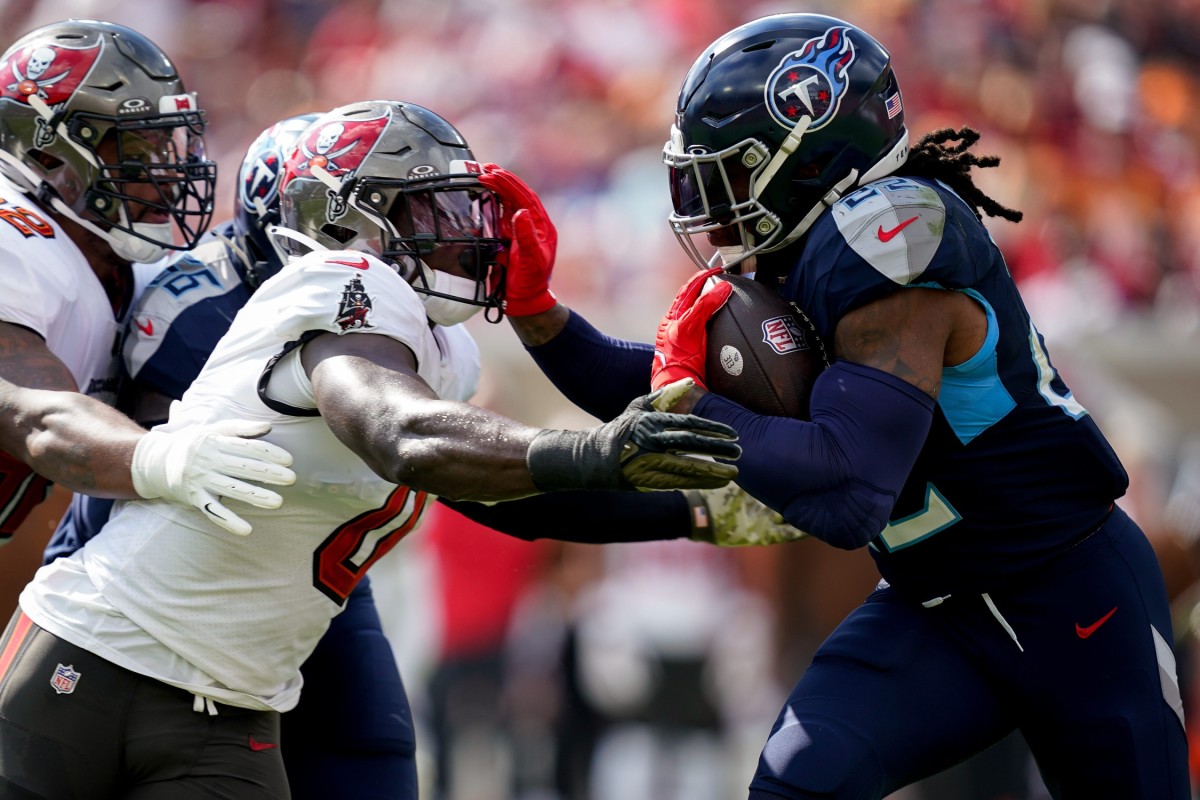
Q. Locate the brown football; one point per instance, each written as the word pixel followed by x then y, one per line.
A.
pixel 761 353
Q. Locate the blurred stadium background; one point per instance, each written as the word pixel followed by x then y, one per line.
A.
pixel 549 672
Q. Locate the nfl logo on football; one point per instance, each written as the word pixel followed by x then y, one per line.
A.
pixel 64 679
pixel 783 335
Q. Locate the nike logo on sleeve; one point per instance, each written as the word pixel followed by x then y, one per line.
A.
pixel 361 263
pixel 888 235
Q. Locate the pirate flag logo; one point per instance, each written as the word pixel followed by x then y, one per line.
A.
pixel 51 73
pixel 354 307
pixel 339 147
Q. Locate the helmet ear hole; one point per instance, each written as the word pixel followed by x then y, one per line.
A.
pixel 45 159
pixel 339 233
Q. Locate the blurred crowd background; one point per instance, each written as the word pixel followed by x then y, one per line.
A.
pixel 550 672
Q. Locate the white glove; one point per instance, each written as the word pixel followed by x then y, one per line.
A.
pixel 198 466
pixel 728 517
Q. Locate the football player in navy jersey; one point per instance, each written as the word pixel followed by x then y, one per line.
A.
pixel 1016 594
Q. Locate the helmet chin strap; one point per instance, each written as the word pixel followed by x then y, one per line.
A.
pixel 334 183
pixel 781 155
pixel 278 231
pixel 891 162
pixel 325 177
pixel 123 243
pixel 44 111
pixel 134 248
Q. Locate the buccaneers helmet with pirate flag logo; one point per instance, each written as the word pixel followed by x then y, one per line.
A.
pixel 776 121
pixel 396 180
pixel 91 113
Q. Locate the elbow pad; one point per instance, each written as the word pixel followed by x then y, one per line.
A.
pixel 838 476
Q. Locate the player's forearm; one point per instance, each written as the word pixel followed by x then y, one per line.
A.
pixel 537 329
pixel 838 476
pixel 594 371
pixel 450 449
pixel 587 517
pixel 69 438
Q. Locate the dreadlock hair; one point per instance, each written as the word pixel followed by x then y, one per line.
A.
pixel 933 157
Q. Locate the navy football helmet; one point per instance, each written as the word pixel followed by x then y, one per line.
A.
pixel 256 204
pixel 776 121
pixel 396 180
pixel 90 114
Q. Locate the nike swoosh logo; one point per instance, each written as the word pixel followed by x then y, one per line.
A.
pixel 257 746
pixel 147 329
pixel 1084 633
pixel 887 236
pixel 360 264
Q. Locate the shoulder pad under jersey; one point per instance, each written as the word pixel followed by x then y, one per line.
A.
pixel 894 224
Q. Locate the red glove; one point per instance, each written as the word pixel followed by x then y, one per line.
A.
pixel 681 346
pixel 533 242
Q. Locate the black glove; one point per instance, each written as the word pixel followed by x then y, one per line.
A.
pixel 641 449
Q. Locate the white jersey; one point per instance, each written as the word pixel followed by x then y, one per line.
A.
pixel 50 288
pixel 170 595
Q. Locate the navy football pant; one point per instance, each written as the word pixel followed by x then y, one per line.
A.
pixel 1076 656
pixel 351 735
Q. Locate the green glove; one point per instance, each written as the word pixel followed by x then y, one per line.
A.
pixel 729 517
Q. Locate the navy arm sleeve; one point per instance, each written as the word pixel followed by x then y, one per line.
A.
pixel 585 517
pixel 598 373
pixel 838 476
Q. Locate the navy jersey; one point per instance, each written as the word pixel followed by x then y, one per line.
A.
pixel 1014 468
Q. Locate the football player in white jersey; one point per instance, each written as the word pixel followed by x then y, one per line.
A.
pixel 101 155
pixel 161 653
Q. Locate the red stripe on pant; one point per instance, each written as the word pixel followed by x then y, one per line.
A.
pixel 21 627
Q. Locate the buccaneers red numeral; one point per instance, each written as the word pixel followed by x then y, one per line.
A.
pixel 337 567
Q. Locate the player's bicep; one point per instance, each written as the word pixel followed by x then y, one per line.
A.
pixel 347 359
pixel 903 334
pixel 26 361
pixel 361 382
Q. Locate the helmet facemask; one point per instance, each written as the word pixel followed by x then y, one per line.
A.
pixel 102 131
pixel 158 165
pixel 713 192
pixel 397 181
pixel 433 225
pixel 776 121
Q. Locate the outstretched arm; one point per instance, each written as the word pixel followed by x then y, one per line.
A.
pixel 368 392
pixel 47 427
pixel 727 517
